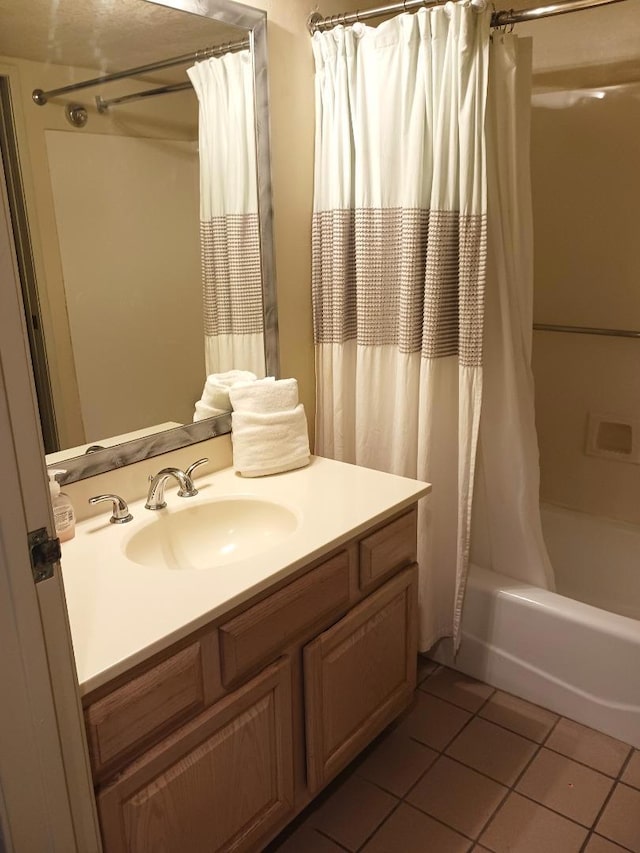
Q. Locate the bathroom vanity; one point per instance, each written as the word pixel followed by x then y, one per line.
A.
pixel 214 733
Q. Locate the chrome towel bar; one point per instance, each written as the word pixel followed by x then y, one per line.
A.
pixel 586 330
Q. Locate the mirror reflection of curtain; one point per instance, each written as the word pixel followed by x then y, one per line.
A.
pixel 229 232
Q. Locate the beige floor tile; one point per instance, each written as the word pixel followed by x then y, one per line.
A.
pixel 588 746
pixel 457 688
pixel 521 717
pixel 597 844
pixel 432 721
pixel 396 762
pixel 522 826
pixel 492 750
pixel 458 796
pixel 352 812
pixel 565 786
pixel 620 821
pixel 631 773
pixel 306 838
pixel 426 667
pixel 410 831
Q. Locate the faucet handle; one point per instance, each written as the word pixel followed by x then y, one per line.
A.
pixel 120 512
pixel 196 464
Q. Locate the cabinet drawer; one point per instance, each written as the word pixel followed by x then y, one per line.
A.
pixel 388 549
pixel 222 782
pixel 140 712
pixel 359 675
pixel 263 631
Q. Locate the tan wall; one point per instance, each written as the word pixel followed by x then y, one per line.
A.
pixel 586 193
pixel 127 214
pixel 157 119
pixel 292 107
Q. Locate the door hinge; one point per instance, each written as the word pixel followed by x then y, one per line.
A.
pixel 45 552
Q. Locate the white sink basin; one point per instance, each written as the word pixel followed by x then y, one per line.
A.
pixel 210 534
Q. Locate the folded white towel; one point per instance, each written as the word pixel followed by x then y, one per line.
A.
pixel 204 411
pixel 269 443
pixel 215 394
pixel 264 395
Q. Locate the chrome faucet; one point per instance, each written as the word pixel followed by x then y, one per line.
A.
pixel 155 497
pixel 120 512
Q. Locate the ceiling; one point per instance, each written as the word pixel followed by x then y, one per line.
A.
pixel 106 35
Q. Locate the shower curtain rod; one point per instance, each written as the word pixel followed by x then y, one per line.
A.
pixel 39 97
pixel 104 104
pixel 317 23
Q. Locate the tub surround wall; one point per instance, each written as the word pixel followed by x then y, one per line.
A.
pixel 586 195
pixel 595 559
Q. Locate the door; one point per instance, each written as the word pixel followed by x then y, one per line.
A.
pixel 47 798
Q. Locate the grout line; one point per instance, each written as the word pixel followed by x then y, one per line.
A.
pixel 457 829
pixel 586 826
pixel 442 822
pixel 509 789
pixel 593 834
pixel 625 764
pixel 379 826
pixel 329 838
pixel 617 780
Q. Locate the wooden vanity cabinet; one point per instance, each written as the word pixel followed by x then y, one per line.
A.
pixel 216 744
pixel 358 676
pixel 219 783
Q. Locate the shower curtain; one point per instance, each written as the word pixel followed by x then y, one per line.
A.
pixel 229 233
pixel 399 271
pixel 399 256
pixel 506 531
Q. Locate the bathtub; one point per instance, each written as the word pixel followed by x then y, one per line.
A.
pixel 578 659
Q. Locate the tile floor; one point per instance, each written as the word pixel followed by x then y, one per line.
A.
pixel 470 768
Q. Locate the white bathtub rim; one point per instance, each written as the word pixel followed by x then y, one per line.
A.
pixel 512 675
pixel 587 615
pixel 505 644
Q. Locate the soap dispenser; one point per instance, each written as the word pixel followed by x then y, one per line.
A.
pixel 64 517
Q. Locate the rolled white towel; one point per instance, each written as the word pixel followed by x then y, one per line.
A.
pixel 215 394
pixel 216 388
pixel 265 395
pixel 204 411
pixel 269 442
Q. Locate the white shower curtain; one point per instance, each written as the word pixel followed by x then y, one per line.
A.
pixel 506 533
pixel 399 254
pixel 229 232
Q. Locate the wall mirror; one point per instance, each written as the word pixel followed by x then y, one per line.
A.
pixel 105 206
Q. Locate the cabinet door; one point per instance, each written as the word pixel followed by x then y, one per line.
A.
pixel 218 784
pixel 359 675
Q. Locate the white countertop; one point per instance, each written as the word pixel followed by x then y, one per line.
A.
pixel 121 612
